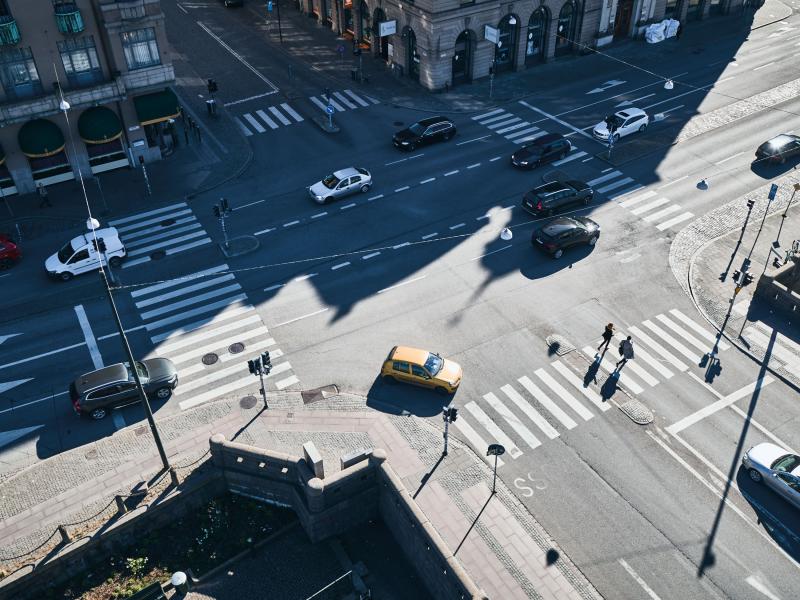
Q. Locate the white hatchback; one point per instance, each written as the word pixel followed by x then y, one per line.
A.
pixel 80 255
pixel 629 120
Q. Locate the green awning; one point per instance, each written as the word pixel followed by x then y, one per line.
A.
pixel 40 137
pixel 157 107
pixel 98 125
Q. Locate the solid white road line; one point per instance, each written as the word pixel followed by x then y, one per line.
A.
pixel 573 379
pixel 88 335
pixel 184 290
pixel 769 64
pixel 530 412
pixel 316 312
pixel 263 231
pixel 38 356
pixel 710 409
pixel 492 252
pixel 546 402
pixel 292 112
pixel 657 348
pixel 391 287
pixel 723 345
pixel 513 420
pixel 571 401
pixel 486 422
pixel 673 181
pixel 477 442
pixel 477 139
pixel 238 57
pixel 674 221
pixel 638 579
pixel 724 160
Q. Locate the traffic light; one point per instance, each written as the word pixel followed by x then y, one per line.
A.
pixel 747 279
pixel 750 204
pixel 253 367
pixel 356 48
pixel 736 275
pixel 224 204
pixel 212 86
pixel 453 414
pixel 266 360
pixel 216 211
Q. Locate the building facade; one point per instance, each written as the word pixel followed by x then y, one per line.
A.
pixel 442 43
pixel 85 89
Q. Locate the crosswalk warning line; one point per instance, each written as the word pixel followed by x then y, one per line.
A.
pixel 194 312
pixel 649 359
pixel 475 439
pixel 694 357
pixel 661 213
pixel 162 310
pixel 318 102
pixel 253 123
pixel 609 367
pixel 604 178
pixel 636 199
pixel 488 114
pixel 546 402
pixel 530 412
pixel 614 185
pixel 513 420
pixel 356 97
pixel 267 119
pixel 650 205
pixel 658 348
pixel 589 393
pixel 344 100
pixel 486 422
pixel 149 213
pixel 701 331
pixel 184 290
pixel 674 221
pixel 699 344
pixel 571 401
pixel 292 112
pixel 279 115
pixel 509 121
pixel 242 127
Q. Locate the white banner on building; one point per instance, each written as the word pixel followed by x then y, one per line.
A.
pixel 387 28
pixel 491 33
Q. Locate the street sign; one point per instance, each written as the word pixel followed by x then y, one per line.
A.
pixel 340 48
pixel 387 28
pixel 772 191
pixel 269 6
pixel 495 450
pixel 491 34
pixel 329 109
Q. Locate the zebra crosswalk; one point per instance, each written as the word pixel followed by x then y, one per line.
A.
pixel 539 407
pixel 283 115
pixel 649 205
pixel 784 352
pixel 508 125
pixel 205 325
pixel 170 229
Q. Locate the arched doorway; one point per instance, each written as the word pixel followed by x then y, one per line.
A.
pixel 381 43
pixel 366 24
pixel 347 17
pixel 412 58
pixel 693 10
pixel 462 58
pixel 534 43
pixel 622 22
pixel 716 8
pixel 505 53
pixel 566 29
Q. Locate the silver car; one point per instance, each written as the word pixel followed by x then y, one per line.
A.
pixel 340 183
pixel 775 467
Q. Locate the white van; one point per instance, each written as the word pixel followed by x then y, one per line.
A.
pixel 79 255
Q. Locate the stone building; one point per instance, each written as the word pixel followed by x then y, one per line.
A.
pixel 442 43
pixel 85 88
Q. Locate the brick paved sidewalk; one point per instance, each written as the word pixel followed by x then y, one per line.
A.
pixel 502 547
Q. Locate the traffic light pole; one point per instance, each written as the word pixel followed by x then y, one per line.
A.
pixel 261 366
pixel 446 423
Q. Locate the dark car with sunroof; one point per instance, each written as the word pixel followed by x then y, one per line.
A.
pixel 779 148
pixel 424 132
pixel 546 148
pixel 552 196
pixel 564 232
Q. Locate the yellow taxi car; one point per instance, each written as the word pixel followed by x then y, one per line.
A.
pixel 422 368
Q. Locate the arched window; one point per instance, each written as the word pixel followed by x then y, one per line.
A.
pixel 566 29
pixel 347 9
pixel 506 51
pixel 412 56
pixel 534 44
pixel 366 23
pixel 462 57
pixel 382 42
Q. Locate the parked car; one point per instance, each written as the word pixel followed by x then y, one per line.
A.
pixel 9 252
pixel 426 131
pixel 546 148
pixel 550 197
pixel 628 121
pixel 422 368
pixel 779 148
pixel 777 468
pixel 100 391
pixel 80 255
pixel 559 234
pixel 340 183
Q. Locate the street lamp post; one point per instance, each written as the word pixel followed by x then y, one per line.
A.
pixel 494 68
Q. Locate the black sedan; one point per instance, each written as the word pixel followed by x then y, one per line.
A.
pixel 546 148
pixel 779 148
pixel 426 131
pixel 550 197
pixel 559 234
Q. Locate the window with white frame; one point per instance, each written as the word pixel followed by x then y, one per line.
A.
pixel 141 48
pixel 79 57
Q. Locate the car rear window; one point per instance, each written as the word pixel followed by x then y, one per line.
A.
pixel 362 171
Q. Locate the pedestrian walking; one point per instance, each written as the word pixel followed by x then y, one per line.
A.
pixel 678 31
pixel 625 351
pixel 607 335
pixel 44 198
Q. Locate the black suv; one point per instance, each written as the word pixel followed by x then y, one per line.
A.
pixel 426 131
pixel 561 233
pixel 96 393
pixel 550 197
pixel 779 148
pixel 552 146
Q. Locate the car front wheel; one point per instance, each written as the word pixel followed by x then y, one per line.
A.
pixel 389 379
pixel 755 475
pixel 642 128
pixel 98 413
pixel 163 393
pixel 593 240
pixel 558 253
pixel 586 200
pixel 365 188
pixel 616 138
pixel 65 276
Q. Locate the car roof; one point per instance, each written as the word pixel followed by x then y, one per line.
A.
pixel 111 374
pixel 781 140
pixel 546 139
pixel 409 354
pixel 86 238
pixel 630 112
pixel 348 172
pixel 433 121
pixel 551 187
pixel 560 225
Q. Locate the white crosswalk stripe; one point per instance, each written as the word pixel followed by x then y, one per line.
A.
pixel 486 422
pixel 344 100
pixel 267 119
pixel 511 127
pixel 571 401
pixel 700 345
pixel 590 394
pixel 545 401
pixel 283 115
pixel 255 124
pixel 530 411
pixel 512 419
pixel 211 343
pixel 475 439
pixel 357 98
pixel 646 357
pixel 291 112
pixel 610 367
pixel 641 336
pixel 693 356
pixel 169 229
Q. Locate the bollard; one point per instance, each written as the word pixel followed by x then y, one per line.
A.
pixel 65 537
pixel 121 508
pixel 173 475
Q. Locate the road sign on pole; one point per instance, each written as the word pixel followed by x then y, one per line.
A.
pixel 772 191
pixel 495 450
pixel 329 109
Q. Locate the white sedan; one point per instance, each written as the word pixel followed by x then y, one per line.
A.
pixel 340 183
pixel 777 468
pixel 627 121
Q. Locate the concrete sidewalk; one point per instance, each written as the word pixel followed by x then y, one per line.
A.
pixel 501 546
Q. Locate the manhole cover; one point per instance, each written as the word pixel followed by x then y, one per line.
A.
pixel 210 358
pixel 637 412
pixel 248 402
pixel 321 393
pixel 91 454
pixel 158 254
pixel 167 222
pixel 398 123
pixel 558 344
pixel 142 430
pixel 236 348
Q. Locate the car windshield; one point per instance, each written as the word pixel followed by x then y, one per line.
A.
pixel 434 363
pixel 617 120
pixel 66 252
pixel 331 181
pixel 787 463
pixel 143 375
pixel 417 129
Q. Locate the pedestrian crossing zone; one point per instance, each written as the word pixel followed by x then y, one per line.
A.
pixel 282 115
pixel 170 229
pixel 542 405
pixel 784 352
pixel 205 325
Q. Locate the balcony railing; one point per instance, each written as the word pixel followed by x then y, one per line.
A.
pixel 9 32
pixel 68 18
pixel 132 10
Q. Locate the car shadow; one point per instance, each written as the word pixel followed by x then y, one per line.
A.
pixel 403 399
pixel 541 265
pixel 770 171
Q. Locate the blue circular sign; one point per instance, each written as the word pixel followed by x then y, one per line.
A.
pixel 329 109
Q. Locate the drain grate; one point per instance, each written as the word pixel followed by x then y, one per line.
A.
pixel 91 454
pixel 248 402
pixel 558 344
pixel 142 430
pixel 236 348
pixel 321 393
pixel 210 358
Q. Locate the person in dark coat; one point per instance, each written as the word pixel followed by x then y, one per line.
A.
pixel 678 31
pixel 607 335
pixel 625 351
